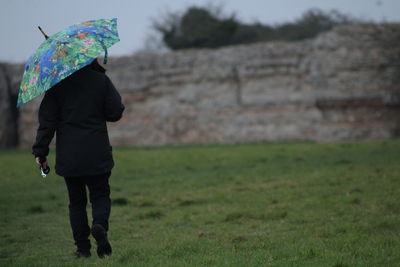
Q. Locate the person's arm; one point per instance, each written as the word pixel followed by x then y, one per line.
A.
pixel 48 119
pixel 113 107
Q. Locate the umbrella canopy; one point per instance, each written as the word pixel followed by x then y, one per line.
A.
pixel 64 53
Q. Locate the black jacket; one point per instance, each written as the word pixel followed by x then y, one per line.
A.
pixel 76 109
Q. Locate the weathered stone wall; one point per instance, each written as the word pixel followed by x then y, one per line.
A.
pixel 342 85
pixel 9 84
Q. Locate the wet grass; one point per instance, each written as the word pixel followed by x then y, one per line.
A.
pixel 294 204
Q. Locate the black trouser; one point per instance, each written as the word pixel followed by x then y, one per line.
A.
pixel 99 195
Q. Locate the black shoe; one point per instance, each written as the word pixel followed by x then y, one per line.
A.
pixel 82 254
pixel 103 246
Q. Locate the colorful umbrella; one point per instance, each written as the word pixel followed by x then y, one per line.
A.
pixel 64 53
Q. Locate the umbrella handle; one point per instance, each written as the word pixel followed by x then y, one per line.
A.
pixel 45 35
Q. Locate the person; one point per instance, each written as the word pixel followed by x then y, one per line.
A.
pixel 77 109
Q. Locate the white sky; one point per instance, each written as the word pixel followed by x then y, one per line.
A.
pixel 19 18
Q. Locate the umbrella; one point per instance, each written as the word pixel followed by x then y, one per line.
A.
pixel 64 53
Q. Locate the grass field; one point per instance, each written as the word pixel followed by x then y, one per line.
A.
pixel 293 204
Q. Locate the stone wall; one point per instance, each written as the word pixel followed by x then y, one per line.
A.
pixel 342 85
pixel 9 85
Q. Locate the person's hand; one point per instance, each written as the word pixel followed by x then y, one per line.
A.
pixel 44 164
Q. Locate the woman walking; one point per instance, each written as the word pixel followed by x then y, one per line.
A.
pixel 76 110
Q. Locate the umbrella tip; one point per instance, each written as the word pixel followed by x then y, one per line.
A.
pixel 44 34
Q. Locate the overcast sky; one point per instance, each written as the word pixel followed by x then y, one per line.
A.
pixel 19 18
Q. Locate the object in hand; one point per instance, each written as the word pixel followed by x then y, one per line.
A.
pixel 44 171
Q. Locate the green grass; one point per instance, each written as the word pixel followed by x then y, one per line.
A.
pixel 293 204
